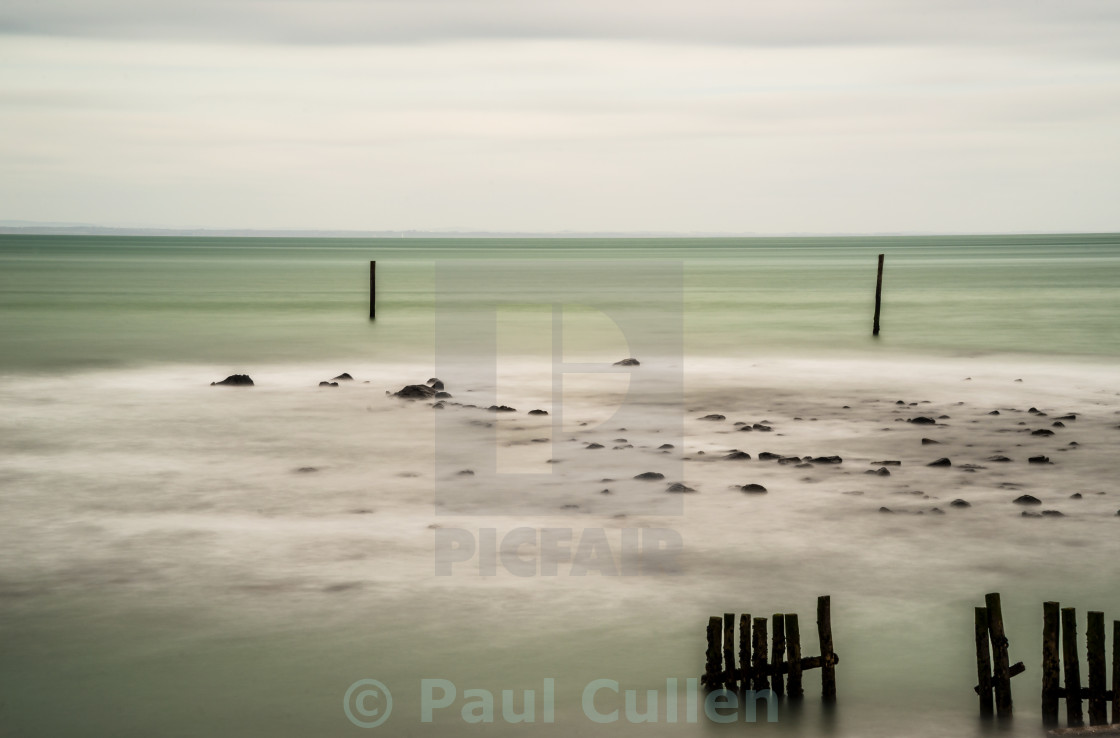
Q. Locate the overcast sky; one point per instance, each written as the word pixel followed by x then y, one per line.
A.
pixel 765 116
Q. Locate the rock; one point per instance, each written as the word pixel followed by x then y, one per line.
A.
pixel 929 441
pixel 604 491
pixel 937 511
pixel 435 384
pixel 594 445
pixel 960 503
pixel 886 463
pixel 885 510
pixel 1042 432
pixel 881 472
pixel 714 416
pixel 1035 411
pixel 415 392
pixel 998 458
pixel 678 487
pixel 501 409
pixel 1071 416
pixel 306 469
pixel 761 427
pixel 943 417
pixel 1039 460
pixel 466 473
pixel 235 380
pixel 1029 514
pixel 343 376
pixel 754 489
pixel 940 462
pixel 827 460
pixel 922 420
pixel 1027 500
pixel 994 412
pixel 1118 513
pixel 650 476
pixel 738 456
pixel 628 362
pixel 767 456
pixel 443 395
pixel 328 384
pixel 1075 496
pixel 538 412
pixel 1053 514
pixel 663 446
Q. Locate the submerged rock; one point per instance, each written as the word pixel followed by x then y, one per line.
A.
pixel 1027 500
pixel 235 380
pixel 886 463
pixel 1053 514
pixel 650 476
pixel 940 462
pixel 922 420
pixel 501 409
pixel 343 376
pixel 415 392
pixel 714 416
pixel 754 489
pixel 960 503
pixel 1039 460
pixel 738 456
pixel 929 441
pixel 628 362
pixel 679 487
pixel 1042 432
pixel 328 384
pixel 538 412
pixel 594 445
pixel 827 460
pixel 999 459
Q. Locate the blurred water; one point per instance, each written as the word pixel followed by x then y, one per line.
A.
pixel 166 569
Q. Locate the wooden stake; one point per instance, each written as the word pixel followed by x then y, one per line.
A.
pixel 1094 647
pixel 758 665
pixel 878 296
pixel 372 290
pixel 777 652
pixel 793 656
pixel 1074 717
pixel 1001 675
pixel 745 651
pixel 828 660
pixel 729 650
pixel 713 677
pixel 1051 662
pixel 1116 671
pixel 983 662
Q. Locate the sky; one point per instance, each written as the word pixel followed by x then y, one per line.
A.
pixel 708 116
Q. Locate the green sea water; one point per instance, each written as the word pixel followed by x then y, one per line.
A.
pixel 79 302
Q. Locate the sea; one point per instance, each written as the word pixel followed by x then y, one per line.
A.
pixel 297 558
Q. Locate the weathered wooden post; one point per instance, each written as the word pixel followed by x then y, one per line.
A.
pixel 878 296
pixel 745 651
pixel 372 290
pixel 1001 676
pixel 1074 717
pixel 729 678
pixel 713 674
pixel 1116 671
pixel 1094 647
pixel 793 655
pixel 777 651
pixel 983 662
pixel 828 657
pixel 758 664
pixel 1051 663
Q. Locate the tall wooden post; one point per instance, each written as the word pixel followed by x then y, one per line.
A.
pixel 878 296
pixel 758 667
pixel 1116 671
pixel 1094 647
pixel 793 654
pixel 1051 663
pixel 1001 676
pixel 1074 717
pixel 372 290
pixel 983 662
pixel 745 651
pixel 713 675
pixel 828 657
pixel 729 678
pixel 777 652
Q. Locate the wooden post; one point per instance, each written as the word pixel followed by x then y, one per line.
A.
pixel 1074 717
pixel 793 656
pixel 828 657
pixel 878 296
pixel 777 652
pixel 1116 671
pixel 745 651
pixel 1094 647
pixel 758 665
pixel 1001 675
pixel 713 676
pixel 983 663
pixel 1051 663
pixel 372 290
pixel 729 650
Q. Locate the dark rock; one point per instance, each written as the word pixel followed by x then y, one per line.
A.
pixel 937 511
pixel 595 445
pixel 678 487
pixel 466 473
pixel 1057 424
pixel 960 503
pixel 1029 514
pixel 432 380
pixel 435 384
pixel 343 376
pixel 1042 432
pixel 761 427
pixel 714 416
pixel 235 380
pixel 650 476
pixel 886 463
pixel 738 456
pixel 1052 514
pixel 943 417
pixel 628 362
pixel 998 458
pixel 994 412
pixel 538 412
pixel 415 392
pixel 922 420
pixel 501 409
pixel 804 465
pixel 885 510
pixel 929 441
pixel 1071 416
pixel 1027 500
pixel 1075 496
pixel 443 395
pixel 940 462
pixel 828 460
pixel 881 472
pixel 306 469
pixel 1039 460
pixel 604 491
pixel 328 384
pixel 754 489
pixel 767 456
pixel 899 402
